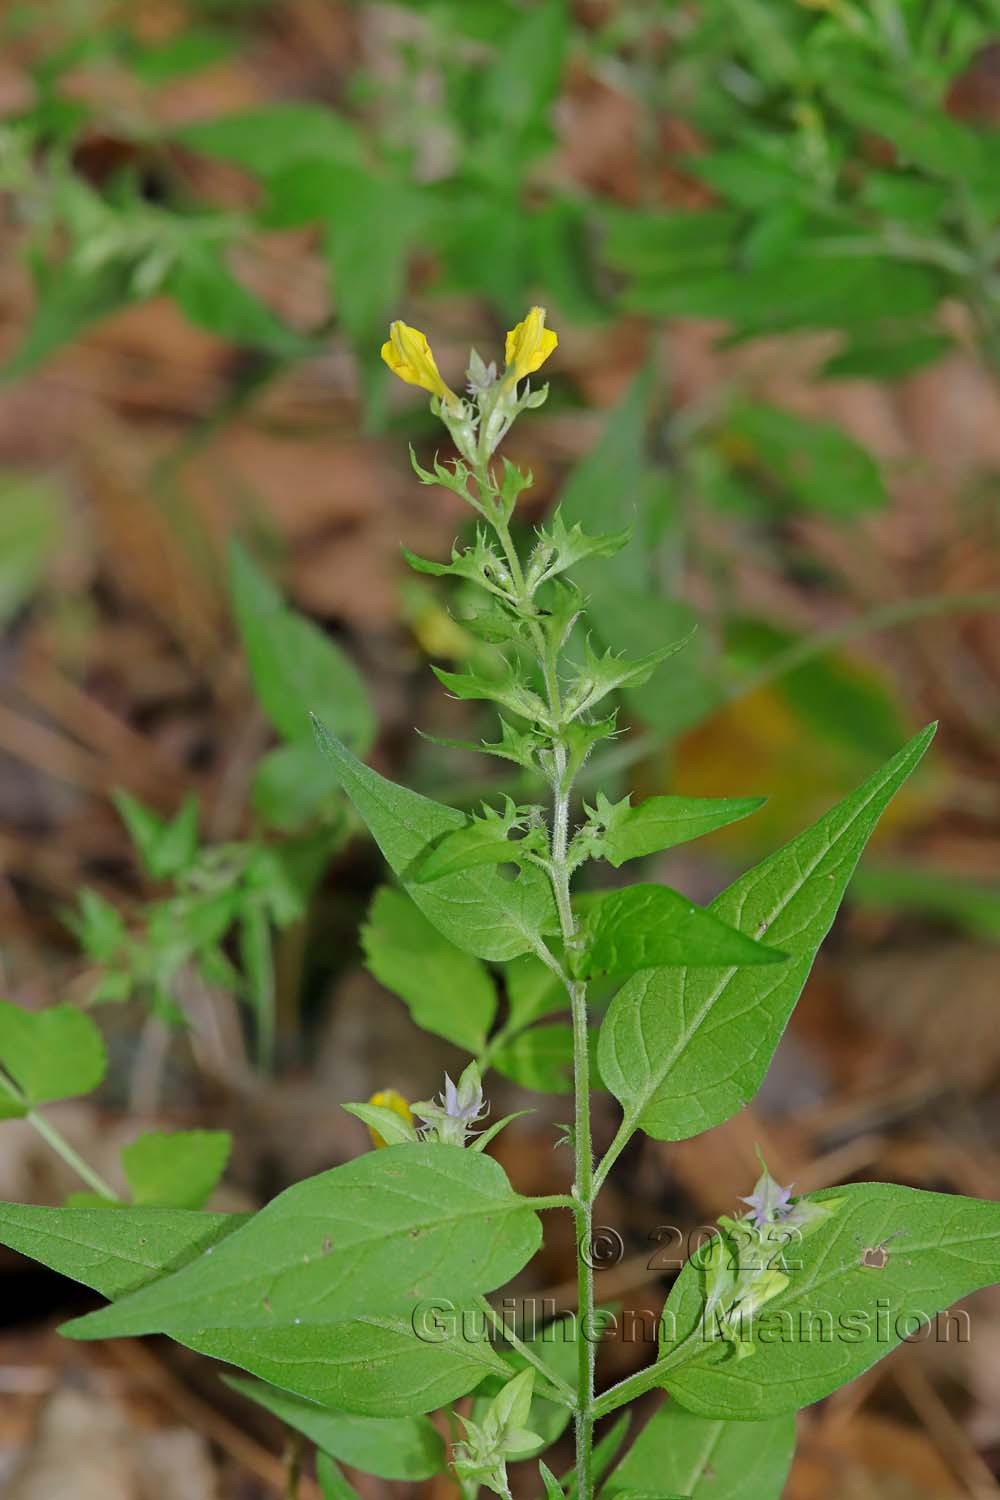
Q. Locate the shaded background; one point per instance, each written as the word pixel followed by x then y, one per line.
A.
pixel 768 239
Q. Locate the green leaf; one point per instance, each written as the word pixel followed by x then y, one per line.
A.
pixel 267 140
pixel 50 1054
pixel 672 246
pixel 506 689
pixel 165 849
pixel 478 910
pixel 708 1460
pixel 814 463
pixel 68 299
pixel 390 1126
pixel 448 991
pixel 375 1366
pixel 663 822
pixel 627 612
pixel 113 1252
pixel 805 290
pixel 611 672
pixel 556 1344
pixel 482 1140
pixel 467 848
pixel 374 1236
pixel 211 297
pixel 98 926
pixel 177 1169
pixel 297 670
pixel 602 495
pixel 185 53
pixel 519 88
pixel 293 786
pixel 485 840
pixel 648 926
pixel 886 353
pixel 553 1489
pixel 533 991
pixel 972 905
pixel 560 546
pixel 684 1049
pixel 391 1448
pixel 331 1481
pixel 541 1059
pixel 843 1309
pixel 32 514
pixel 924 137
pixel 372 224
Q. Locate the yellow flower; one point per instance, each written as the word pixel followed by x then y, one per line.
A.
pixel 529 345
pixel 408 355
pixel 389 1099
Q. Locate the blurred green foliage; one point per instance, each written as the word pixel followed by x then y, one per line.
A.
pixel 830 185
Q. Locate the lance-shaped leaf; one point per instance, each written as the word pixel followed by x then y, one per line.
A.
pixel 332 1484
pixel 557 1346
pixel 480 563
pixel 373 1236
pixel 680 1453
pixel 50 1054
pixel 889 1259
pixel 541 1058
pixel 112 1250
pixel 507 690
pixel 296 668
pixel 661 823
pixel 560 546
pixel 391 1448
pixel 605 674
pixel 376 1366
pixel 478 910
pixel 647 925
pixel 448 991
pixel 683 1049
pixel 176 1169
pixel 484 840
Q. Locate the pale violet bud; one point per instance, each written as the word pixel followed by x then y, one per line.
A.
pixel 770 1203
pixel 480 376
pixel 452 1117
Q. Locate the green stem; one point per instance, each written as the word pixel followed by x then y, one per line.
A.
pixel 558 1389
pixel 646 1380
pixel 559 872
pixel 554 1200
pixel 621 1140
pixel 583 1185
pixel 62 1147
pixel 59 1143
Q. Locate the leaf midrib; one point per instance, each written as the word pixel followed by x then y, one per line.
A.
pixel 237 1283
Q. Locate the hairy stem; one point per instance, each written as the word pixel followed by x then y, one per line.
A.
pixel 559 870
pixel 636 1385
pixel 558 1389
pixel 583 1185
